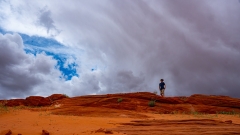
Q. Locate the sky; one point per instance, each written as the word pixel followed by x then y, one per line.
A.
pixel 88 47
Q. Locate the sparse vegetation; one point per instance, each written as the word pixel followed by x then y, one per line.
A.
pixel 174 112
pixel 206 115
pixel 228 113
pixel 183 98
pixel 65 95
pixel 155 92
pixel 151 103
pixel 3 108
pixel 45 113
pixel 197 113
pixel 119 100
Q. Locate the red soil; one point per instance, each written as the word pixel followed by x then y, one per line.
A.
pixel 105 114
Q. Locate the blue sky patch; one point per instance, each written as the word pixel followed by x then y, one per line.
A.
pixel 35 45
pixel 40 41
pixel 2 31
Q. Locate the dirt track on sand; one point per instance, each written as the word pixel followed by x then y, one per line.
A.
pixel 33 121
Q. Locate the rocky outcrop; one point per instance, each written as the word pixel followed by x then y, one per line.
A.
pixel 213 100
pixel 15 102
pixel 54 97
pixel 137 102
pixel 105 131
pixel 6 132
pixel 37 101
pixel 45 132
pixel 179 127
pixel 33 101
pixel 9 132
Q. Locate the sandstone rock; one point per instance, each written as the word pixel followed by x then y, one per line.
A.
pixel 45 132
pixel 16 102
pixel 6 132
pixel 213 100
pixel 54 97
pixel 169 100
pixel 139 95
pixel 37 101
pixel 197 126
pixel 228 121
pixel 108 132
pixel 139 102
pixel 102 130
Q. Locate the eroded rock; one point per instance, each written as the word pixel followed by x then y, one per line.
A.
pixel 228 121
pixel 6 132
pixel 45 132
pixel 37 101
pixel 54 97
pixel 16 102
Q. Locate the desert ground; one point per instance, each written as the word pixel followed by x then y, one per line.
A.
pixel 120 114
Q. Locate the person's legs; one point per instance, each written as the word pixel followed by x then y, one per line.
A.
pixel 162 92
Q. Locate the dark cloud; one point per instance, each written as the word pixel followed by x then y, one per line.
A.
pixel 46 21
pixel 193 45
pixel 208 59
pixel 124 81
pixel 19 72
pixel 13 78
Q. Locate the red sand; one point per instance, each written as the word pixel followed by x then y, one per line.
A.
pixel 104 115
pixel 27 122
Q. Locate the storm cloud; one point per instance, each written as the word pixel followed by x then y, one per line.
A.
pixel 193 45
pixel 20 72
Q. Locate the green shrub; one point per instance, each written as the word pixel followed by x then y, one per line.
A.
pixel 151 103
pixel 3 108
pixel 119 100
pixel 183 98
pixel 66 95
pixel 227 113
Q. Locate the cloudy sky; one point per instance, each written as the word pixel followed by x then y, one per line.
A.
pixel 84 47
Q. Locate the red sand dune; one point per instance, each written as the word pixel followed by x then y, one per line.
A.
pixel 105 114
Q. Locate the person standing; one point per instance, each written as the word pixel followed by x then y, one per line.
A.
pixel 162 87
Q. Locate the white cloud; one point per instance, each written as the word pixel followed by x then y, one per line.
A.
pixel 22 16
pixel 20 73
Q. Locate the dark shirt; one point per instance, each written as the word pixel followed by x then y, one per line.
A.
pixel 161 85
